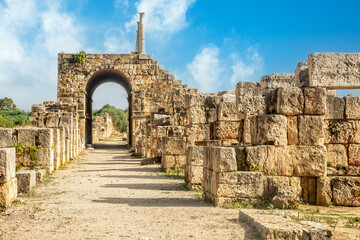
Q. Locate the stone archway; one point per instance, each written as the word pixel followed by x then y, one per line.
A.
pixel 98 78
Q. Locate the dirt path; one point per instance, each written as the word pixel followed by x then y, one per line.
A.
pixel 108 195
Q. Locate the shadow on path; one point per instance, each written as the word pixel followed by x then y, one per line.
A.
pixel 155 202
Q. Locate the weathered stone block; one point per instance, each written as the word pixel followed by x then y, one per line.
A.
pixel 277 80
pixel 342 131
pixel 311 130
pixel 26 136
pixel 245 132
pixel 196 115
pixel 354 154
pixel 241 158
pixel 290 101
pixel 195 156
pixel 283 192
pixel 269 129
pixel 271 100
pixel 323 191
pixel 197 133
pixel 7 164
pixel 302 74
pixel 310 161
pixel 256 157
pixel 238 184
pixel 223 159
pixel 194 176
pixel 40 174
pixel 250 106
pixel 227 111
pixel 174 146
pixel 279 161
pixel 52 121
pixel 8 193
pixel 352 107
pixel 248 89
pixel 336 154
pixel 38 108
pixel 6 138
pixel 45 157
pixel 211 115
pixel 26 180
pixel 292 130
pixel 226 130
pixel 346 191
pixel 335 107
pixel 334 70
pixel 315 100
pixel 195 100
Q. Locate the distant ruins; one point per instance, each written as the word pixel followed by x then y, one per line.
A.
pixel 285 139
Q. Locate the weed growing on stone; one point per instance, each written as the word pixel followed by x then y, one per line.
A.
pixel 353 222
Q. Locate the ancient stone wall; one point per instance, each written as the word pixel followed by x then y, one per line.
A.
pixel 102 127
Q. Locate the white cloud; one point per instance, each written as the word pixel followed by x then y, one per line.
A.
pixel 121 3
pixel 31 34
pixel 205 69
pixel 249 68
pixel 162 16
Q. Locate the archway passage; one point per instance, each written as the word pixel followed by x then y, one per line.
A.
pixel 97 79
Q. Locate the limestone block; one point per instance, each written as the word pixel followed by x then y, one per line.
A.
pixel 227 111
pixel 337 155
pixel 212 101
pixel 248 89
pixel 38 108
pixel 323 191
pixel 354 154
pixel 346 191
pixel 197 133
pixel 249 106
pixel 277 80
pixel 334 70
pixel 302 74
pixel 283 192
pixel 223 159
pixel 256 157
pixel 315 100
pixel 271 100
pixel 8 193
pixel 342 131
pixel 308 186
pixel 52 121
pixel 195 175
pixel 292 130
pixel 195 156
pixel 352 107
pixel 310 161
pixel 335 107
pixel 245 132
pixel 290 101
pixel 45 157
pixel 333 93
pixel 7 164
pixel 238 184
pixel 26 136
pixel 175 131
pixel 6 138
pixel 311 130
pixel 160 119
pixel 174 146
pixel 196 115
pixel 279 161
pixel 195 100
pixel 46 137
pixel 226 130
pixel 26 180
pixel 269 129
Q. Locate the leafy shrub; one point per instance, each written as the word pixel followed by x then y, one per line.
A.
pixel 78 57
pixel 14 118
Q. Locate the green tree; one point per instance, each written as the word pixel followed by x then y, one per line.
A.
pixel 119 116
pixel 7 104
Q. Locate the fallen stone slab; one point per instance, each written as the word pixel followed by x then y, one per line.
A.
pixel 149 161
pixel 26 180
pixel 277 225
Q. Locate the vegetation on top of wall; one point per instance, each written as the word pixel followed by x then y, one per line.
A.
pixel 78 57
pixel 119 116
pixel 10 115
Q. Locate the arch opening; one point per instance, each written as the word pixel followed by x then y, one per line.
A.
pixel 97 79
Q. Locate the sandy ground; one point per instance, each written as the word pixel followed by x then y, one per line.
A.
pixel 107 194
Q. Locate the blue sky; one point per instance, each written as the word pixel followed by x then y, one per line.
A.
pixel 209 44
